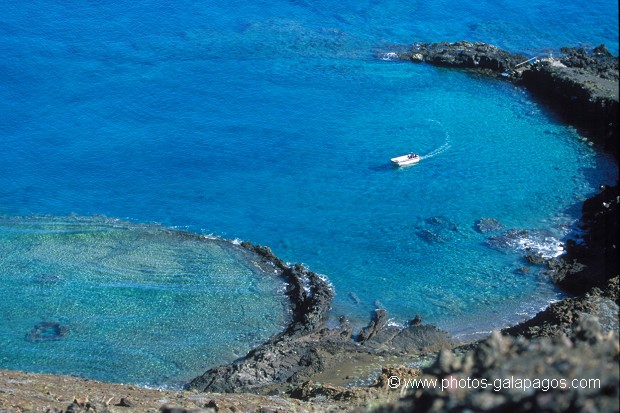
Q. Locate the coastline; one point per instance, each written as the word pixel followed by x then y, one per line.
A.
pixel 289 360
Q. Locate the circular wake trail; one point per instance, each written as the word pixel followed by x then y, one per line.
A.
pixel 437 151
pixel 441 149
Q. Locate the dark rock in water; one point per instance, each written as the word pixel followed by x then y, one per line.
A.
pixel 484 225
pixel 480 56
pixel 377 323
pixel 560 269
pixel 443 223
pixel 354 298
pixel 377 341
pixel 345 327
pixel 535 259
pixel 417 320
pixel 47 331
pixel 507 240
pixel 392 339
pixel 601 50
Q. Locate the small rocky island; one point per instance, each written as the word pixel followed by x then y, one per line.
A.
pixel 301 368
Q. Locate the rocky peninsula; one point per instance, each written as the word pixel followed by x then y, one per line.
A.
pixel 301 368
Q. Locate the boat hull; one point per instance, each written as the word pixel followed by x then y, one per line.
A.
pixel 405 160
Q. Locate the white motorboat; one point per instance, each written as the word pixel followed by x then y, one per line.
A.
pixel 405 160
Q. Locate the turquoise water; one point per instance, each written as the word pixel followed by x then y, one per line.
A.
pixel 274 123
pixel 135 303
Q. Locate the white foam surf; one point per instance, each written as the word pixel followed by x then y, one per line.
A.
pixel 388 56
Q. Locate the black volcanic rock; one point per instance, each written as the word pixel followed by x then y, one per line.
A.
pixel 600 252
pixel 377 323
pixel 420 338
pixel 573 373
pixel 582 86
pixel 416 337
pixel 465 55
pixel 282 356
pixel 562 316
pixel 580 97
pixel 306 346
pixel 598 61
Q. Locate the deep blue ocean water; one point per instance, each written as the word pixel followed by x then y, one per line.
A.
pixel 273 122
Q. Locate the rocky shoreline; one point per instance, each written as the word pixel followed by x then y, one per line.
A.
pixel 574 338
pixel 306 347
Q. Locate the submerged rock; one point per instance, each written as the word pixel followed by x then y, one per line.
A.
pixel 484 225
pixel 429 236
pixel 438 229
pixel 47 278
pixel 356 300
pixel 47 331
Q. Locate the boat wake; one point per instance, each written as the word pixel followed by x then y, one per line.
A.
pixel 441 149
pixel 408 160
pixel 437 151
